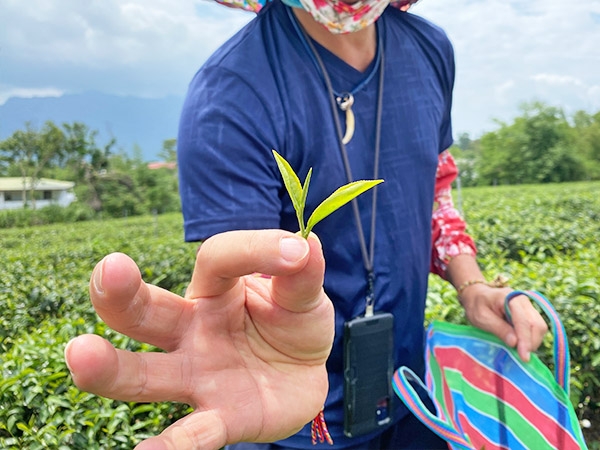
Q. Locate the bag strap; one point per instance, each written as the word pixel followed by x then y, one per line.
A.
pixel 561 346
pixel 409 396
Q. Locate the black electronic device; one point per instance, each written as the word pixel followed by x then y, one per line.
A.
pixel 368 371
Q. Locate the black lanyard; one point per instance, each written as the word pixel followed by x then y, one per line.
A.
pixel 368 256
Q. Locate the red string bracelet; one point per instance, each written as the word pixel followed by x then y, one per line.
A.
pixel 319 431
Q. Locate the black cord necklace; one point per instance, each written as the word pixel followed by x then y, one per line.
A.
pixel 368 256
pixel 344 100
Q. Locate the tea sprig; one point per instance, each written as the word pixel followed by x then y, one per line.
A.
pixel 298 191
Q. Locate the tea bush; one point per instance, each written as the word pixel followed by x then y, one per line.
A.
pixel 75 212
pixel 44 273
pixel 543 237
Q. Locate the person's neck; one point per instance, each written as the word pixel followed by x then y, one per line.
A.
pixel 356 49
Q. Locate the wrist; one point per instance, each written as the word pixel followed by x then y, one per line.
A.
pixel 468 284
pixel 470 293
pixel 471 288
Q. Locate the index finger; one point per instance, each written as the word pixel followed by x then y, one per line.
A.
pixel 225 257
pixel 141 311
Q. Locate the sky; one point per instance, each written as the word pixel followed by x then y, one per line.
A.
pixel 507 51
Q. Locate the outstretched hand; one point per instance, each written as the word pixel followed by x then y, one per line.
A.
pixel 247 353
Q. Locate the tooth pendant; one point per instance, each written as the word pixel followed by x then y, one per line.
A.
pixel 345 103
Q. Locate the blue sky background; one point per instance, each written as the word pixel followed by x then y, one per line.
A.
pixel 507 51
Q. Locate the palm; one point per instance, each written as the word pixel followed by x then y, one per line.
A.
pixel 241 351
pixel 261 370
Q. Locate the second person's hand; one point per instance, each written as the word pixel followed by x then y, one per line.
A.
pixel 484 307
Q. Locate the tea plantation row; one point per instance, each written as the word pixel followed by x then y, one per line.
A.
pixel 543 237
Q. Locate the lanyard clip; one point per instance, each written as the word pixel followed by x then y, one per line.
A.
pixel 370 294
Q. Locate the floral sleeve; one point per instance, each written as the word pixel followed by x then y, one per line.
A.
pixel 448 237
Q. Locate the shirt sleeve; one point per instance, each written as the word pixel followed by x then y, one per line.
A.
pixel 449 238
pixel 227 173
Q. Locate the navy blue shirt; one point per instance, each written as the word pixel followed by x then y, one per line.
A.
pixel 261 91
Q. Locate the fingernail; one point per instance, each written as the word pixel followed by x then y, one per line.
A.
pixel 97 280
pixel 293 249
pixel 66 360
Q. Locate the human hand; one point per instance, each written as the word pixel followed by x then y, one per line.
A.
pixel 247 353
pixel 484 307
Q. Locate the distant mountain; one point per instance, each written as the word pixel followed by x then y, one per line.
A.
pixel 131 120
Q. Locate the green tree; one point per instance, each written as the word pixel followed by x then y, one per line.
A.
pixel 85 161
pixel 466 152
pixel 464 141
pixel 30 151
pixel 535 148
pixel 117 186
pixel 158 188
pixel 585 136
pixel 169 150
pixel 114 183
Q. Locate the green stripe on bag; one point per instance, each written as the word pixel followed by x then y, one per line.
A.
pixel 490 405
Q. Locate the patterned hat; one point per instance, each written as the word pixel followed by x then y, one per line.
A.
pixel 256 5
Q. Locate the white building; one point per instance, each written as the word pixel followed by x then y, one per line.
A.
pixel 47 192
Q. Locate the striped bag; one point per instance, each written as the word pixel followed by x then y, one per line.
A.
pixel 486 397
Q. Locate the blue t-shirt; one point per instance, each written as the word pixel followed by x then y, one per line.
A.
pixel 261 91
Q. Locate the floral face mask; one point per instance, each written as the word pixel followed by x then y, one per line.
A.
pixel 335 15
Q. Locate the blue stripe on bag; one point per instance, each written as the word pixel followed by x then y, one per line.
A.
pixel 519 376
pixel 496 431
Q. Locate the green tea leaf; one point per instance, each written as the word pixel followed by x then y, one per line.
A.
pixel 291 181
pixel 300 211
pixel 305 187
pixel 11 422
pixel 24 428
pixel 339 198
pixel 142 409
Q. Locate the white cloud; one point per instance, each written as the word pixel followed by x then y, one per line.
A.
pixel 594 91
pixel 499 40
pixel 140 47
pixel 5 94
pixel 113 31
pixel 502 91
pixel 557 80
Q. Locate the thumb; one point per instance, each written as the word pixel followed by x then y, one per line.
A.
pixel 199 430
pixel 303 290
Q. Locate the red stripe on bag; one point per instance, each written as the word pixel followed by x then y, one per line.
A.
pixel 431 387
pixel 449 402
pixel 482 442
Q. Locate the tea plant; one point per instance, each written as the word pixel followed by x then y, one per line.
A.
pixel 543 237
